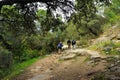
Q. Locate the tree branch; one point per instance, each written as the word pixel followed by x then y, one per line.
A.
pixel 10 2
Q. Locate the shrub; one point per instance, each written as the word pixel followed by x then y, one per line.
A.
pixel 28 54
pixel 5 58
pixel 5 61
pixel 101 45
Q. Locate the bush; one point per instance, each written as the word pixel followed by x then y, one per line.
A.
pixel 101 45
pixel 114 49
pixel 49 45
pixel 107 47
pixel 28 54
pixel 5 61
pixel 5 58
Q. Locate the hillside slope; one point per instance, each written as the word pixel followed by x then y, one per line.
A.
pixel 80 63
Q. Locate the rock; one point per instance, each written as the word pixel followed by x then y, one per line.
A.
pixel 51 68
pixel 111 77
pixel 115 41
pixel 118 37
pixel 117 73
pixel 48 70
pixel 112 72
pixel 38 67
pixel 104 61
pixel 42 76
pixel 77 51
pixel 90 62
pixel 103 58
pixel 112 65
pixel 118 49
pixel 67 57
pixel 34 70
pixel 108 48
pixel 118 61
pixel 82 53
pixel 96 63
pixel 51 77
pixel 113 36
pixel 115 78
pixel 113 69
pixel 117 56
pixel 95 57
pixel 79 76
pixel 91 73
pixel 110 58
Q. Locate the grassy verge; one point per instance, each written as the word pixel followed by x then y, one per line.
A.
pixel 19 68
pixel 107 47
pixel 100 45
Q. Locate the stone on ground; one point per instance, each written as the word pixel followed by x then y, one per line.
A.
pixel 67 57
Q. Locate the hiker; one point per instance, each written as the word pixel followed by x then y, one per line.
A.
pixel 74 44
pixel 69 44
pixel 59 46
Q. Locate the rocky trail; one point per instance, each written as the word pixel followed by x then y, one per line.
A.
pixel 76 64
pixel 72 64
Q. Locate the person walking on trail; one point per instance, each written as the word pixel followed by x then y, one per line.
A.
pixel 69 44
pixel 74 44
pixel 59 46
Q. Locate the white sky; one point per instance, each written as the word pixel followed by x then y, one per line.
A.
pixel 58 11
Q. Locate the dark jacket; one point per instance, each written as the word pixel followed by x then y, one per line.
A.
pixel 60 45
pixel 73 42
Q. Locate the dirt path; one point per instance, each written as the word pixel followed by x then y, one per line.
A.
pixel 40 68
pixel 84 51
pixel 72 64
pixel 51 68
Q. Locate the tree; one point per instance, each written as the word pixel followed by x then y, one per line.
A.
pixel 26 12
pixel 85 17
pixel 64 5
pixel 32 4
pixel 112 13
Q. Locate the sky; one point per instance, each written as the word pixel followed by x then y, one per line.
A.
pixel 59 11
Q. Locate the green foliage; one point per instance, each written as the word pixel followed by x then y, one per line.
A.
pixel 41 15
pixel 107 47
pixel 18 38
pixel 4 72
pixel 50 42
pixel 28 34
pixel 10 21
pixel 5 62
pixel 112 12
pixel 117 44
pixel 5 58
pixel 100 45
pixel 114 50
pixel 23 50
pixel 19 67
pixel 82 28
pixel 86 26
pixel 83 42
pixel 71 32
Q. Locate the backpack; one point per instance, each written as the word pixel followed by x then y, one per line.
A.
pixel 59 45
pixel 73 42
